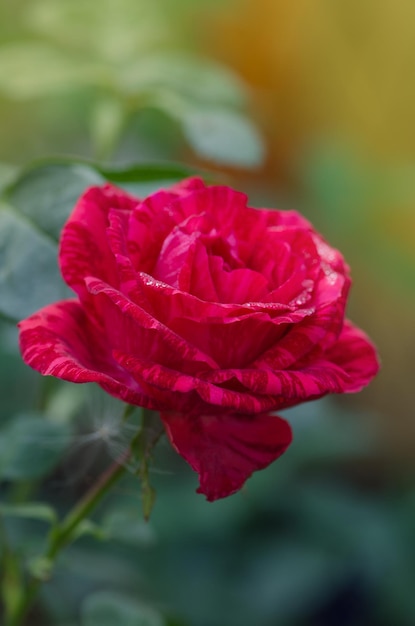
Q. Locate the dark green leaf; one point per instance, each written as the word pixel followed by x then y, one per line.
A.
pixel 222 135
pixel 146 173
pixel 38 204
pixel 29 274
pixel 45 194
pixel 144 179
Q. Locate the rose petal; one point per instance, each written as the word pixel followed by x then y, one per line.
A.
pixel 199 276
pixel 232 342
pixel 216 329
pixel 171 303
pixel 154 219
pixel 356 355
pixel 84 249
pixel 59 341
pixel 346 367
pixel 225 450
pixel 177 253
pixel 174 389
pixel 317 331
pixel 131 329
pixel 237 286
pixel 253 391
pixel 223 204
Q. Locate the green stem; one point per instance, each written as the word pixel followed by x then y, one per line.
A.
pixel 11 587
pixel 62 534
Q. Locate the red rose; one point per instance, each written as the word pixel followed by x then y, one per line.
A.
pixel 211 312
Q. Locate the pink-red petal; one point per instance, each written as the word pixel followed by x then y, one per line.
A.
pixel 174 389
pixel 59 341
pixel 154 219
pixel 131 329
pixel 356 355
pixel 84 247
pixel 226 449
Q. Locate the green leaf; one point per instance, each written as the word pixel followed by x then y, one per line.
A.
pixel 38 204
pixel 29 274
pixel 112 609
pixel 29 510
pixel 215 132
pixel 224 136
pixel 147 172
pixel 31 446
pixel 45 194
pixel 143 179
pixel 189 77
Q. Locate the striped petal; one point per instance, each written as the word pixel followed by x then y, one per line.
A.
pixel 176 390
pixel 131 329
pixel 356 355
pixel 60 341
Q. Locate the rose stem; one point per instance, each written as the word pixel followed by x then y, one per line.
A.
pixel 63 533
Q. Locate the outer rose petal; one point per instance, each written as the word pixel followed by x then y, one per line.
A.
pixel 84 247
pixel 59 341
pixel 225 450
pixel 356 355
pixel 175 391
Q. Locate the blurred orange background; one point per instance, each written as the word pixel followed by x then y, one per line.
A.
pixel 334 91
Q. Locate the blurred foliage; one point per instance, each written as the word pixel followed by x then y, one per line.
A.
pixel 303 544
pixel 125 55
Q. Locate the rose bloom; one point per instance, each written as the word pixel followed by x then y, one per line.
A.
pixel 213 313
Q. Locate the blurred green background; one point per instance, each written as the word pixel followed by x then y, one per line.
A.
pixel 303 105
